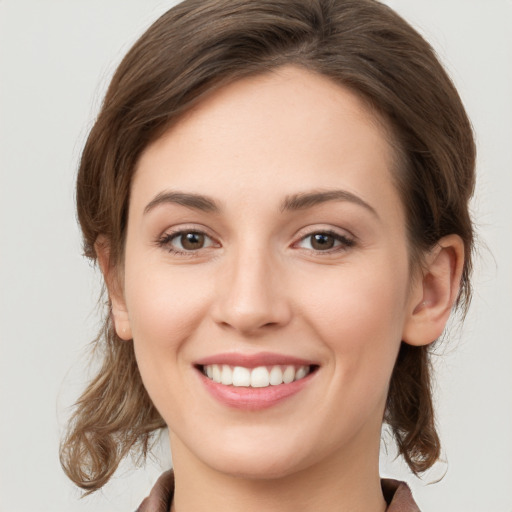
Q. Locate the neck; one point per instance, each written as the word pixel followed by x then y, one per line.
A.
pixel 332 486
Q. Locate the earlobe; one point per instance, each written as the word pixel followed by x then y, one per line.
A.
pixel 111 275
pixel 434 293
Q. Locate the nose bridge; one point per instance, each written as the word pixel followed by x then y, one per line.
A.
pixel 252 295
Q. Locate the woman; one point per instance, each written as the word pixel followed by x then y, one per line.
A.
pixel 277 195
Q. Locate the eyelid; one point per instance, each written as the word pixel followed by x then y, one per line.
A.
pixel 187 228
pixel 164 240
pixel 345 239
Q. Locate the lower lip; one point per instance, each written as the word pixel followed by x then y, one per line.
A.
pixel 254 399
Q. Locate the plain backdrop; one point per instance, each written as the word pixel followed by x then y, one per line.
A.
pixel 56 58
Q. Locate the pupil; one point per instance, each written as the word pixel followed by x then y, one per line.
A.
pixel 192 241
pixel 322 241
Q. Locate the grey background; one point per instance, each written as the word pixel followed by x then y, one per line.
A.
pixel 56 58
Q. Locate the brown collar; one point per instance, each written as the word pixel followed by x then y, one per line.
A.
pixel 397 495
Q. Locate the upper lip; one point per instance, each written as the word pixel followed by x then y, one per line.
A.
pixel 254 360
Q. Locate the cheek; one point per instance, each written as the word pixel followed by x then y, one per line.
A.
pixel 361 326
pixel 368 299
pixel 162 304
pixel 164 310
pixel 359 315
pixel 164 313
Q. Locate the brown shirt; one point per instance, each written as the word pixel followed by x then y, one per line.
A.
pixel 397 495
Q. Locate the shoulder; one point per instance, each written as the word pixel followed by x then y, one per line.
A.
pixel 160 497
pixel 398 496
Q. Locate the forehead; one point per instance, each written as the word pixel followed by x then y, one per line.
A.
pixel 287 129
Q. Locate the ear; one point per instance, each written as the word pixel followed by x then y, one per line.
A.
pixel 434 292
pixel 112 277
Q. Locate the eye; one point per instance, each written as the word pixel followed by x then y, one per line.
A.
pixel 185 241
pixel 325 241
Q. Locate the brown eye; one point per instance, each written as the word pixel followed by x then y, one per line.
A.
pixel 192 241
pixel 182 242
pixel 326 241
pixel 322 241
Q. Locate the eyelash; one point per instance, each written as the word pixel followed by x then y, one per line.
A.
pixel 166 241
pixel 345 242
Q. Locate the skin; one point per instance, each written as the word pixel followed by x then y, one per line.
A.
pixel 258 284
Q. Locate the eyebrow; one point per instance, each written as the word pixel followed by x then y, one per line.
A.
pixel 306 200
pixel 294 202
pixel 194 201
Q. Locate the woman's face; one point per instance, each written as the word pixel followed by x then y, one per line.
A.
pixel 266 242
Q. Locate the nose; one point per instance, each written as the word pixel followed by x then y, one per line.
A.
pixel 252 297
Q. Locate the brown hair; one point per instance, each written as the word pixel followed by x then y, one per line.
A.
pixel 198 46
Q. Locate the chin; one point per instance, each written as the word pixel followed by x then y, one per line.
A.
pixel 258 456
pixel 257 467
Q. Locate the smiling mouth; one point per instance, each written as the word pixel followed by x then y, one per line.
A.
pixel 259 377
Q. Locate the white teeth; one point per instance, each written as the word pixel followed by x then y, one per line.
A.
pixel 260 377
pixel 227 375
pixel 276 376
pixel 241 376
pixel 289 374
pixel 217 374
pixel 300 373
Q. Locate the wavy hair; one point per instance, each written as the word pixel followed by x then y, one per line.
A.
pixel 200 45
